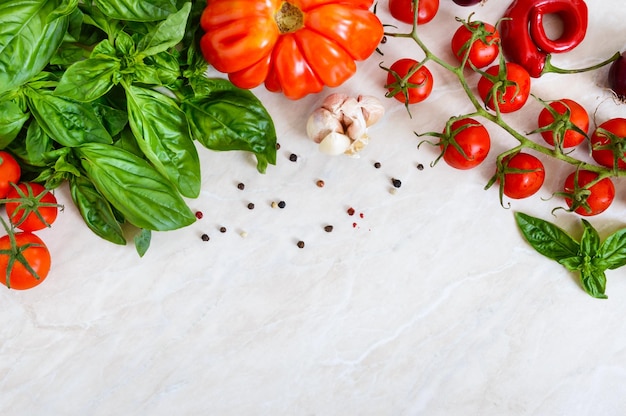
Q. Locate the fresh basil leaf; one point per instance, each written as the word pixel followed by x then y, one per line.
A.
pixel 572 264
pixel 590 241
pixel 144 74
pixel 35 145
pixel 162 133
pixel 125 45
pixel 89 79
pixel 142 241
pixel 233 119
pixel 67 54
pixel 30 33
pixel 113 119
pixel 12 119
pixel 593 282
pixel 68 122
pixel 137 10
pixel 547 238
pixel 95 210
pixel 613 250
pixel 94 17
pixel 166 34
pixel 166 66
pixel 138 191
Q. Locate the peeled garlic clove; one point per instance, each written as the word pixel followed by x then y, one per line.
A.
pixel 353 119
pixel 373 110
pixel 321 123
pixel 335 144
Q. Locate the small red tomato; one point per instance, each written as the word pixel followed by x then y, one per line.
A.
pixel 417 86
pixel 403 10
pixel 468 144
pixel 483 51
pixel 513 91
pixel 10 172
pixel 37 209
pixel 523 175
pixel 33 252
pixel 608 143
pixel 599 198
pixel 560 123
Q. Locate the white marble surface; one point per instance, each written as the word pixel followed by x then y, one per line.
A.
pixel 431 305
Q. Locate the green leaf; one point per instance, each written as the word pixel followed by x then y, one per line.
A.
pixel 547 238
pixel 32 149
pixel 144 74
pixel 95 210
pixel 137 10
pixel 166 34
pixel 12 119
pixel 112 119
pixel 142 241
pixel 162 133
pixel 233 119
pixel 68 122
pixel 590 241
pixel 132 186
pixel 89 79
pixel 613 250
pixel 30 33
pixel 593 282
pixel 572 264
pixel 167 67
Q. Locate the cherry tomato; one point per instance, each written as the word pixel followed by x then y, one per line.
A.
pixel 37 204
pixel 600 197
pixel 28 249
pixel 10 172
pixel 523 175
pixel 483 51
pixel 512 94
pixel 403 10
pixel 559 125
pixel 417 86
pixel 608 143
pixel 472 138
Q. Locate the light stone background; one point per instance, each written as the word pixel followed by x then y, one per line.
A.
pixel 432 304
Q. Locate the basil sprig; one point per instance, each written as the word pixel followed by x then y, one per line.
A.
pixel 590 257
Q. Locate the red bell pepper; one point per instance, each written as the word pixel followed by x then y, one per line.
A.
pixel 524 40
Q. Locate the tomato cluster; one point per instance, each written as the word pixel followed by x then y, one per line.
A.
pixel 24 257
pixel 504 87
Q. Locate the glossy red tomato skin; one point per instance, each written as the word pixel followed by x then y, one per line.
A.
pixel 481 54
pixel 31 222
pixel 403 10
pixel 515 96
pixel 601 196
pixel 578 117
pixel 10 172
pixel 519 185
pixel 37 256
pixel 604 157
pixel 475 142
pixel 422 78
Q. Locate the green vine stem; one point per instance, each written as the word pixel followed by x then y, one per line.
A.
pixel 495 116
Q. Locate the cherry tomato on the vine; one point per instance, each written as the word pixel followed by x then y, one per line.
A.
pixel 28 249
pixel 406 88
pixel 511 91
pixel 523 175
pixel 10 172
pixel 598 197
pixel 608 143
pixel 37 208
pixel 468 144
pixel 560 127
pixel 403 10
pixel 483 51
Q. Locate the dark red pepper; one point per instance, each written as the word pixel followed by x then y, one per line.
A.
pixel 524 40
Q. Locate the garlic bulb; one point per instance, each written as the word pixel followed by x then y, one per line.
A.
pixel 340 124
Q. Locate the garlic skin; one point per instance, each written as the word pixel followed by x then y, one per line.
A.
pixel 340 124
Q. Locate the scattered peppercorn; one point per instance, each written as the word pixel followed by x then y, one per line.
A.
pixel 250 205
pixel 277 146
pixel 199 214
pixel 205 237
pixel 377 165
pixel 396 182
pixel 241 186
pixel 301 244
pixel 420 166
pixel 222 229
pixel 274 204
pixel 293 157
pixel 328 228
pixel 350 211
pixel 320 183
pixel 384 39
pixel 282 204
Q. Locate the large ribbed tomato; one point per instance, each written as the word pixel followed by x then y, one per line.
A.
pixel 295 46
